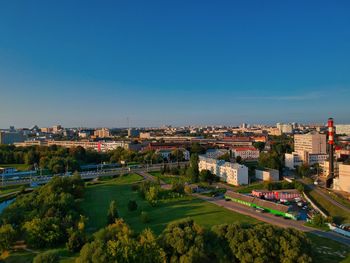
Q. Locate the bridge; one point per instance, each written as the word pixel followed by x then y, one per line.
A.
pixel 92 174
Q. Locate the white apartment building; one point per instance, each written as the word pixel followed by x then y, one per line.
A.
pixel 342 129
pixel 342 182
pixel 267 175
pixel 232 173
pixel 309 148
pixel 246 153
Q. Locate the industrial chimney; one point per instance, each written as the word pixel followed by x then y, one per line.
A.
pixel 331 152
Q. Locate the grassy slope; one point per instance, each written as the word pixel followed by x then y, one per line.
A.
pixel 339 215
pixel 98 197
pixel 327 250
pixel 168 179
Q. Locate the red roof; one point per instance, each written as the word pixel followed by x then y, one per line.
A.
pixel 242 149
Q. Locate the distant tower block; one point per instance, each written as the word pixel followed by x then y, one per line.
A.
pixel 331 134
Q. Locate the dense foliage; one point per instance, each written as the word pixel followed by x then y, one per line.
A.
pixel 117 243
pixel 45 216
pixel 185 241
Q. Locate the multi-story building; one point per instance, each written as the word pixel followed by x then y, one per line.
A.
pixel 314 143
pixel 324 168
pixel 342 129
pixel 98 146
pixel 342 182
pixel 246 153
pixel 232 173
pixel 309 149
pixel 267 175
pixel 11 137
pixel 165 153
pixel 102 133
pixel 133 133
pixel 285 127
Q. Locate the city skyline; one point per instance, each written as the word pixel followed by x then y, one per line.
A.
pixel 178 64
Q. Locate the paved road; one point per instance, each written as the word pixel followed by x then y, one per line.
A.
pixel 274 220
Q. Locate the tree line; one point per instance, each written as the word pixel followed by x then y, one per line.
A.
pixel 186 241
pixel 46 217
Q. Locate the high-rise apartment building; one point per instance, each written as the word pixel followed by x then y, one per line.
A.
pixel 102 133
pixel 309 149
pixel 313 143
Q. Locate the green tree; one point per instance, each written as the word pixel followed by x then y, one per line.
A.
pixel 207 176
pixel 184 241
pixel 75 241
pixel 7 236
pixel 152 195
pixel 193 170
pixel 47 257
pixel 148 248
pixel 259 145
pixel 112 214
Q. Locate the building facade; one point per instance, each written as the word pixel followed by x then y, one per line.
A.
pixel 309 149
pixel 267 175
pixel 11 137
pixel 342 182
pixel 313 143
pixel 232 173
pixel 246 153
pixel 342 129
pixel 102 133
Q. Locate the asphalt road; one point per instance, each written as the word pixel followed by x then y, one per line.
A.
pixel 274 220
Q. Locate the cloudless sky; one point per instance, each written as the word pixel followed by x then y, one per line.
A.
pixel 97 63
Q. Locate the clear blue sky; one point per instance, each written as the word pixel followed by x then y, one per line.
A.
pixel 95 63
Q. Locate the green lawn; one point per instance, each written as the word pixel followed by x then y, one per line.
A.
pixel 28 256
pixel 168 179
pixel 327 251
pixel 98 197
pixel 338 214
pixel 20 167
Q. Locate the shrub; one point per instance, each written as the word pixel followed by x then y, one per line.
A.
pixel 134 187
pixel 188 190
pixel 47 257
pixel 145 217
pixel 132 205
pixel 76 241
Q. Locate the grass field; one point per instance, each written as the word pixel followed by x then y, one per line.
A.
pixel 20 167
pixel 98 197
pixel 327 250
pixel 168 179
pixel 339 215
pixel 28 256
